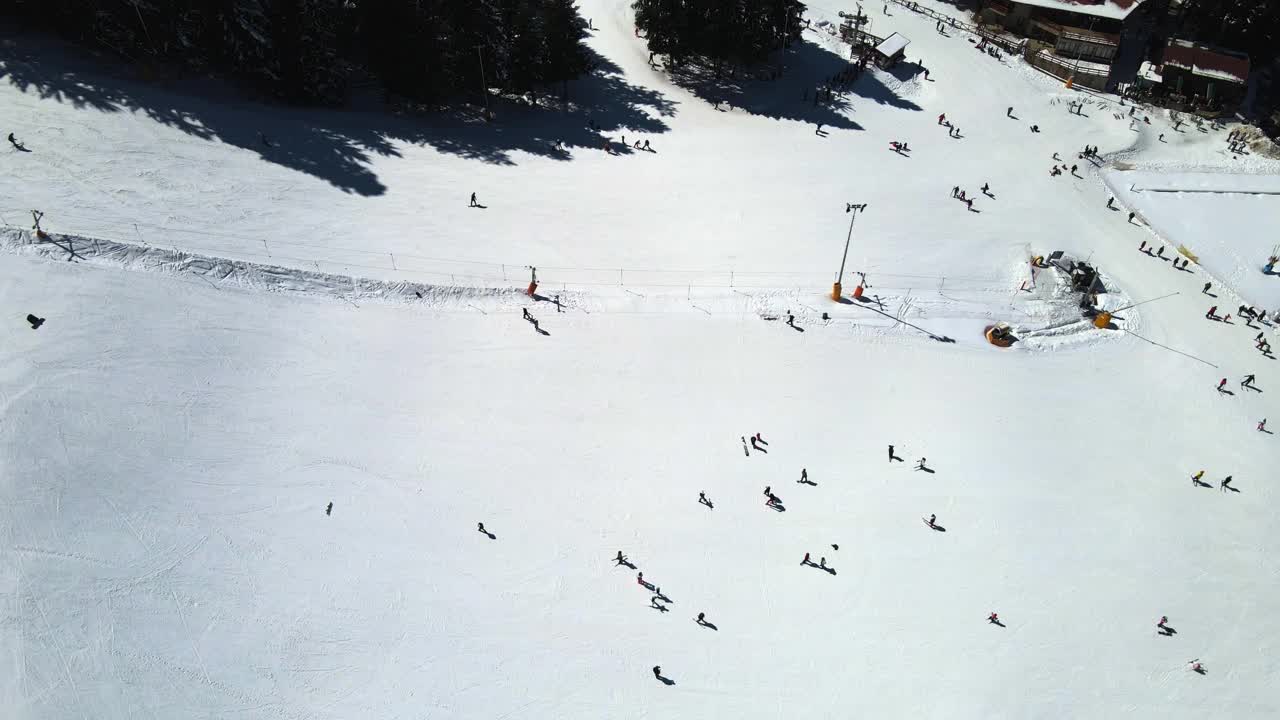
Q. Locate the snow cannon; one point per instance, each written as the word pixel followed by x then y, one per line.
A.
pixel 533 288
pixel 857 292
pixel 1102 320
pixel 836 291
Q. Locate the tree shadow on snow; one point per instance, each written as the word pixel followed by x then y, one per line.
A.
pixel 333 145
pixel 808 66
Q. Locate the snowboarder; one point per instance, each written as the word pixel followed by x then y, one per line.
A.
pixel 1213 312
pixel 804 475
pixel 1225 485
pixel 329 510
pixel 1221 384
pixel 36 322
pixel 1205 289
pixel 806 561
pixel 1262 426
pixel 702 498
pixel 1247 382
pixel 620 559
pixel 473 200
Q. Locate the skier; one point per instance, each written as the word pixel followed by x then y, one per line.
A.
pixel 1111 203
pixel 1161 137
pixel 969 203
pixel 473 200
pixel 657 671
pixel 1055 157
pixel 986 187
pixel 1142 247
pixel 1035 128
pixel 941 119
pixel 1221 384
pixel 932 518
pixel 1160 252
pixel 1262 426
pixel 1163 619
pixel 760 439
pixel 891 455
pixel 702 498
pixel 1213 312
pixel 1225 485
pixel 480 528
pixel 920 465
pixel 1131 217
pixel 804 475
pixel 993 618
pixel 36 322
pixel 955 191
pixel 1196 666
pixel 1247 382
pixel 620 559
pixel 822 563
pixel 1074 168
pixel 1195 479
pixel 1205 289
pixel 646 146
pixel 329 510
pixel 526 314
pixel 755 445
pixel 1009 112
pixel 640 580
pixel 806 561
pixel 791 319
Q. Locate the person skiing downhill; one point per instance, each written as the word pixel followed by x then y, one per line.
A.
pixel 1205 289
pixel 702 498
pixel 1213 311
pixel 619 559
pixel 932 518
pixel 806 561
pixel 1163 619
pixel 1247 381
pixel 1195 479
pixel 993 618
pixel 942 118
pixel 1262 426
pixel 1225 485
pixel 474 203
pixel 1221 384
pixel 1009 112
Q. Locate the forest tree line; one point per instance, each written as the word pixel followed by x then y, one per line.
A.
pixel 311 51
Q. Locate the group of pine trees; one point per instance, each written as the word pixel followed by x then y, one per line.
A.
pixel 735 31
pixel 310 51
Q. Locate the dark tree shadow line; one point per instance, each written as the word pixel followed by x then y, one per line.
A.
pixel 337 146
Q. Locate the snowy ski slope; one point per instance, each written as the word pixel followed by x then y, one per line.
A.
pixel 245 334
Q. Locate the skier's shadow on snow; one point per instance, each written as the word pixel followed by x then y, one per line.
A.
pixel 1201 483
pixel 665 680
pixel 1200 670
pixel 937 528
pixel 1167 631
pixel 339 146
pixel 1225 391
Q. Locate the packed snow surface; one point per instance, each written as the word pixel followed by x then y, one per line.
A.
pixel 237 334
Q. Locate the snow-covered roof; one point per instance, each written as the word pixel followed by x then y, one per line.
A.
pixel 1149 71
pixel 892 45
pixel 1112 9
pixel 1206 62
